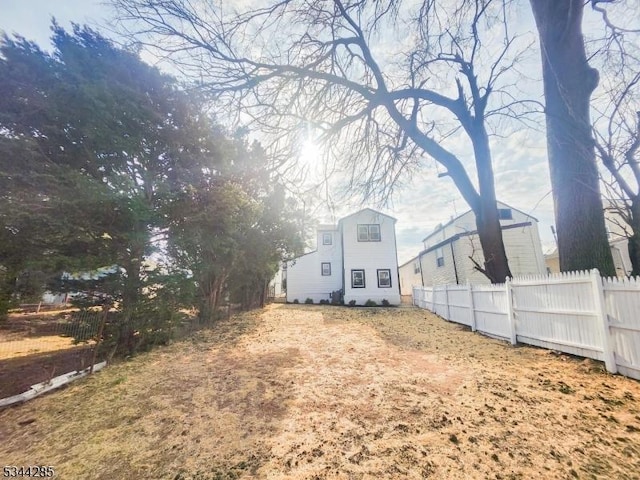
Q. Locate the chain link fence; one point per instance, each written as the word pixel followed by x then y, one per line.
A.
pixel 38 344
pixel 41 342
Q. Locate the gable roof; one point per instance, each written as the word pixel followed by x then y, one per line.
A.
pixel 453 220
pixel 409 261
pixel 370 210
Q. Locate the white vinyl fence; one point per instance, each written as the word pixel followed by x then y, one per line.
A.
pixel 578 313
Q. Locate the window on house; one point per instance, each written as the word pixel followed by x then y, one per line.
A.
pixel 384 278
pixel 327 239
pixel 439 257
pixel 363 233
pixel 505 214
pixel 357 279
pixel 326 269
pixel 416 267
pixel 369 233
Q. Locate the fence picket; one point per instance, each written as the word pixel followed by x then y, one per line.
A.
pixel 472 313
pixel 607 344
pixel 510 311
pixel 575 312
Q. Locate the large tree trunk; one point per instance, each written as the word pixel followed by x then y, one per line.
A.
pixel 496 265
pixel 210 298
pixel 483 204
pixel 568 85
pixel 127 342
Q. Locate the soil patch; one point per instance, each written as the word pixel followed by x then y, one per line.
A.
pixel 328 392
pixel 20 373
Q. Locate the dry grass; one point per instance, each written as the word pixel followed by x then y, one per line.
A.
pixel 32 333
pixel 326 392
pixel 21 347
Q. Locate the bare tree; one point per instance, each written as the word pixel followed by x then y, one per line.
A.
pixel 383 84
pixel 616 124
pixel 569 82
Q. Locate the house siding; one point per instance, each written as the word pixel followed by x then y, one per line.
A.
pixel 621 258
pixel 435 275
pixel 370 257
pixel 408 277
pixel 522 246
pixel 304 274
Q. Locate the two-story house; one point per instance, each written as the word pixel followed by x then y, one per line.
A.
pixel 357 256
pixel 447 253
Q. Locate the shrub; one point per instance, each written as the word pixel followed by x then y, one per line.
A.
pixel 324 302
pixel 385 302
pixel 370 303
pixel 352 303
pixel 295 300
pixel 337 297
pixel 309 301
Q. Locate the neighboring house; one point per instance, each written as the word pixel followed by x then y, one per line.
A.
pixel 445 258
pixel 357 256
pixel 619 252
pixel 51 298
pixel 410 275
pixel 617 233
pixel 552 261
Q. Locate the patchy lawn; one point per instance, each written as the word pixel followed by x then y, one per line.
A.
pixel 328 392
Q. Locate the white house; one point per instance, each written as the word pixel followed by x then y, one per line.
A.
pixel 618 233
pixel 357 256
pixel 410 274
pixel 445 258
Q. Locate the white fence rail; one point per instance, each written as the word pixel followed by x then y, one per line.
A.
pixel 578 313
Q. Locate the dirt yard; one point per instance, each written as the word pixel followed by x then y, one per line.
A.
pixel 326 392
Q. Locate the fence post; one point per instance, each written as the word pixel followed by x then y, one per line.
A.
pixel 510 312
pixel 103 320
pixel 603 318
pixel 472 313
pixel 446 302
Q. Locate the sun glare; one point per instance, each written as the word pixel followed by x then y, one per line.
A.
pixel 310 161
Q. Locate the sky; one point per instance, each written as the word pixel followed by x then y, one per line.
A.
pixel 520 162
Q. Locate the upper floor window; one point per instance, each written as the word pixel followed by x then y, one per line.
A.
pixel 439 257
pixel 416 267
pixel 327 239
pixel 369 233
pixel 505 214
